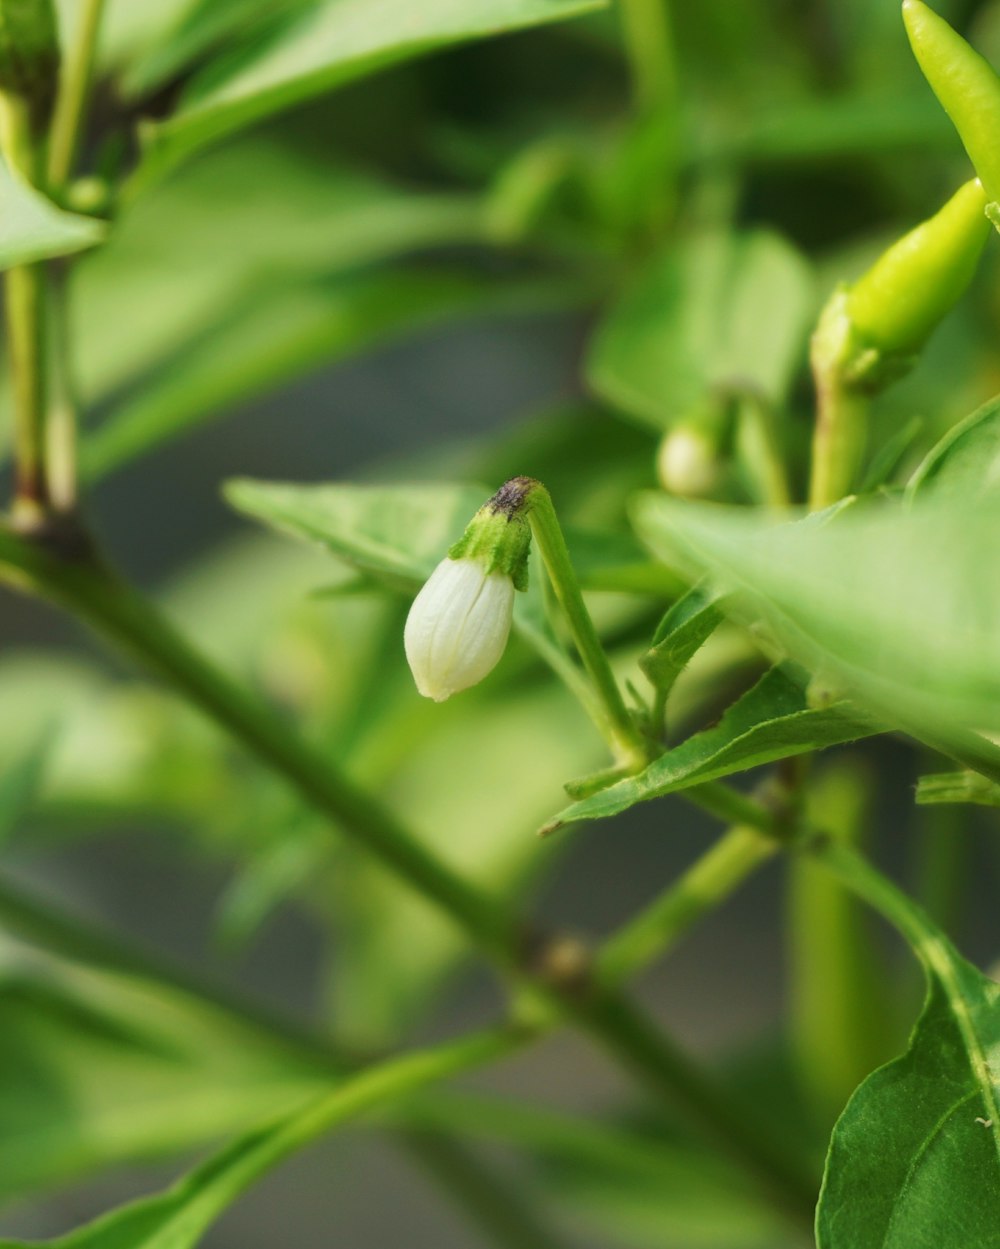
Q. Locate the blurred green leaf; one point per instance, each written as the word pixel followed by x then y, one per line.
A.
pixel 639 1187
pixel 256 221
pixel 914 1160
pixel 771 721
pixel 966 460
pixel 33 228
pixel 21 783
pixel 97 1069
pixel 281 336
pixel 893 605
pixel 952 787
pixel 330 44
pixel 717 314
pixel 178 1217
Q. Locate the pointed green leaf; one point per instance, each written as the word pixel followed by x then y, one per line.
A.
pixel 771 721
pixel 951 787
pixel 914 1160
pixel 332 43
pixel 966 460
pixel 685 628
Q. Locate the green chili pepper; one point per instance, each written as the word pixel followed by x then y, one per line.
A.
pixel 966 85
pixel 898 303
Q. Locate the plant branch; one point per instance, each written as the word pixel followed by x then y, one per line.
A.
pixel 71 100
pixel 77 580
pixel 97 596
pixel 706 883
pixel 24 290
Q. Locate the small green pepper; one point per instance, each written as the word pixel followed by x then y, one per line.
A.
pixel 898 303
pixel 967 87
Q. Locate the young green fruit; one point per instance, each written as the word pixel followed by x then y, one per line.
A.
pixel 458 626
pixel 966 85
pixel 895 307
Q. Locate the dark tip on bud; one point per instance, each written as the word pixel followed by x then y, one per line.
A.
pixel 512 496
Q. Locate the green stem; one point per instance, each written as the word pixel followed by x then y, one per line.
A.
pixel 107 604
pixel 618 726
pixel 650 48
pixel 71 101
pixel 707 883
pixel 838 442
pixel 837 1005
pixel 24 287
pixel 61 424
pixel 761 452
pixel 378 1086
pixel 500 1209
pixel 640 1047
pixel 79 583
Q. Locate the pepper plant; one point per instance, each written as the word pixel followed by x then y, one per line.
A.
pixel 756 543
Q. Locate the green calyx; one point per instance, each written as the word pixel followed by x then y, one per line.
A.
pixel 29 53
pixel 966 85
pixel 896 306
pixel 499 534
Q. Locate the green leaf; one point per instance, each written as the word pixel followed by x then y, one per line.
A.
pixel 280 337
pixel 951 787
pixel 685 628
pixel 177 1218
pixel 97 1069
pixel 21 782
pixel 396 533
pixel 914 1160
pixel 33 228
pixel 256 221
pixel 966 460
pixel 771 721
pixel 720 313
pixel 892 605
pixel 330 44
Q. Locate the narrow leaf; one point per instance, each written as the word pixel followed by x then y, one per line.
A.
pixel 771 721
pixel 330 44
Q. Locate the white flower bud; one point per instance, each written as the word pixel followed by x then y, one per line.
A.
pixel 686 463
pixel 458 626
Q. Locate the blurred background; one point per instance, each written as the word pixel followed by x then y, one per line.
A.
pixel 413 278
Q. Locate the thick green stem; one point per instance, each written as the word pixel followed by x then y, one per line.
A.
pixel 707 883
pixel 71 101
pixel 78 582
pixel 61 421
pixel 838 441
pixel 837 1005
pixel 110 606
pixel 619 728
pixel 24 287
pixel 650 48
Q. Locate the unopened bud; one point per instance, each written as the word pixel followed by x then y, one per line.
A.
pixel 460 621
